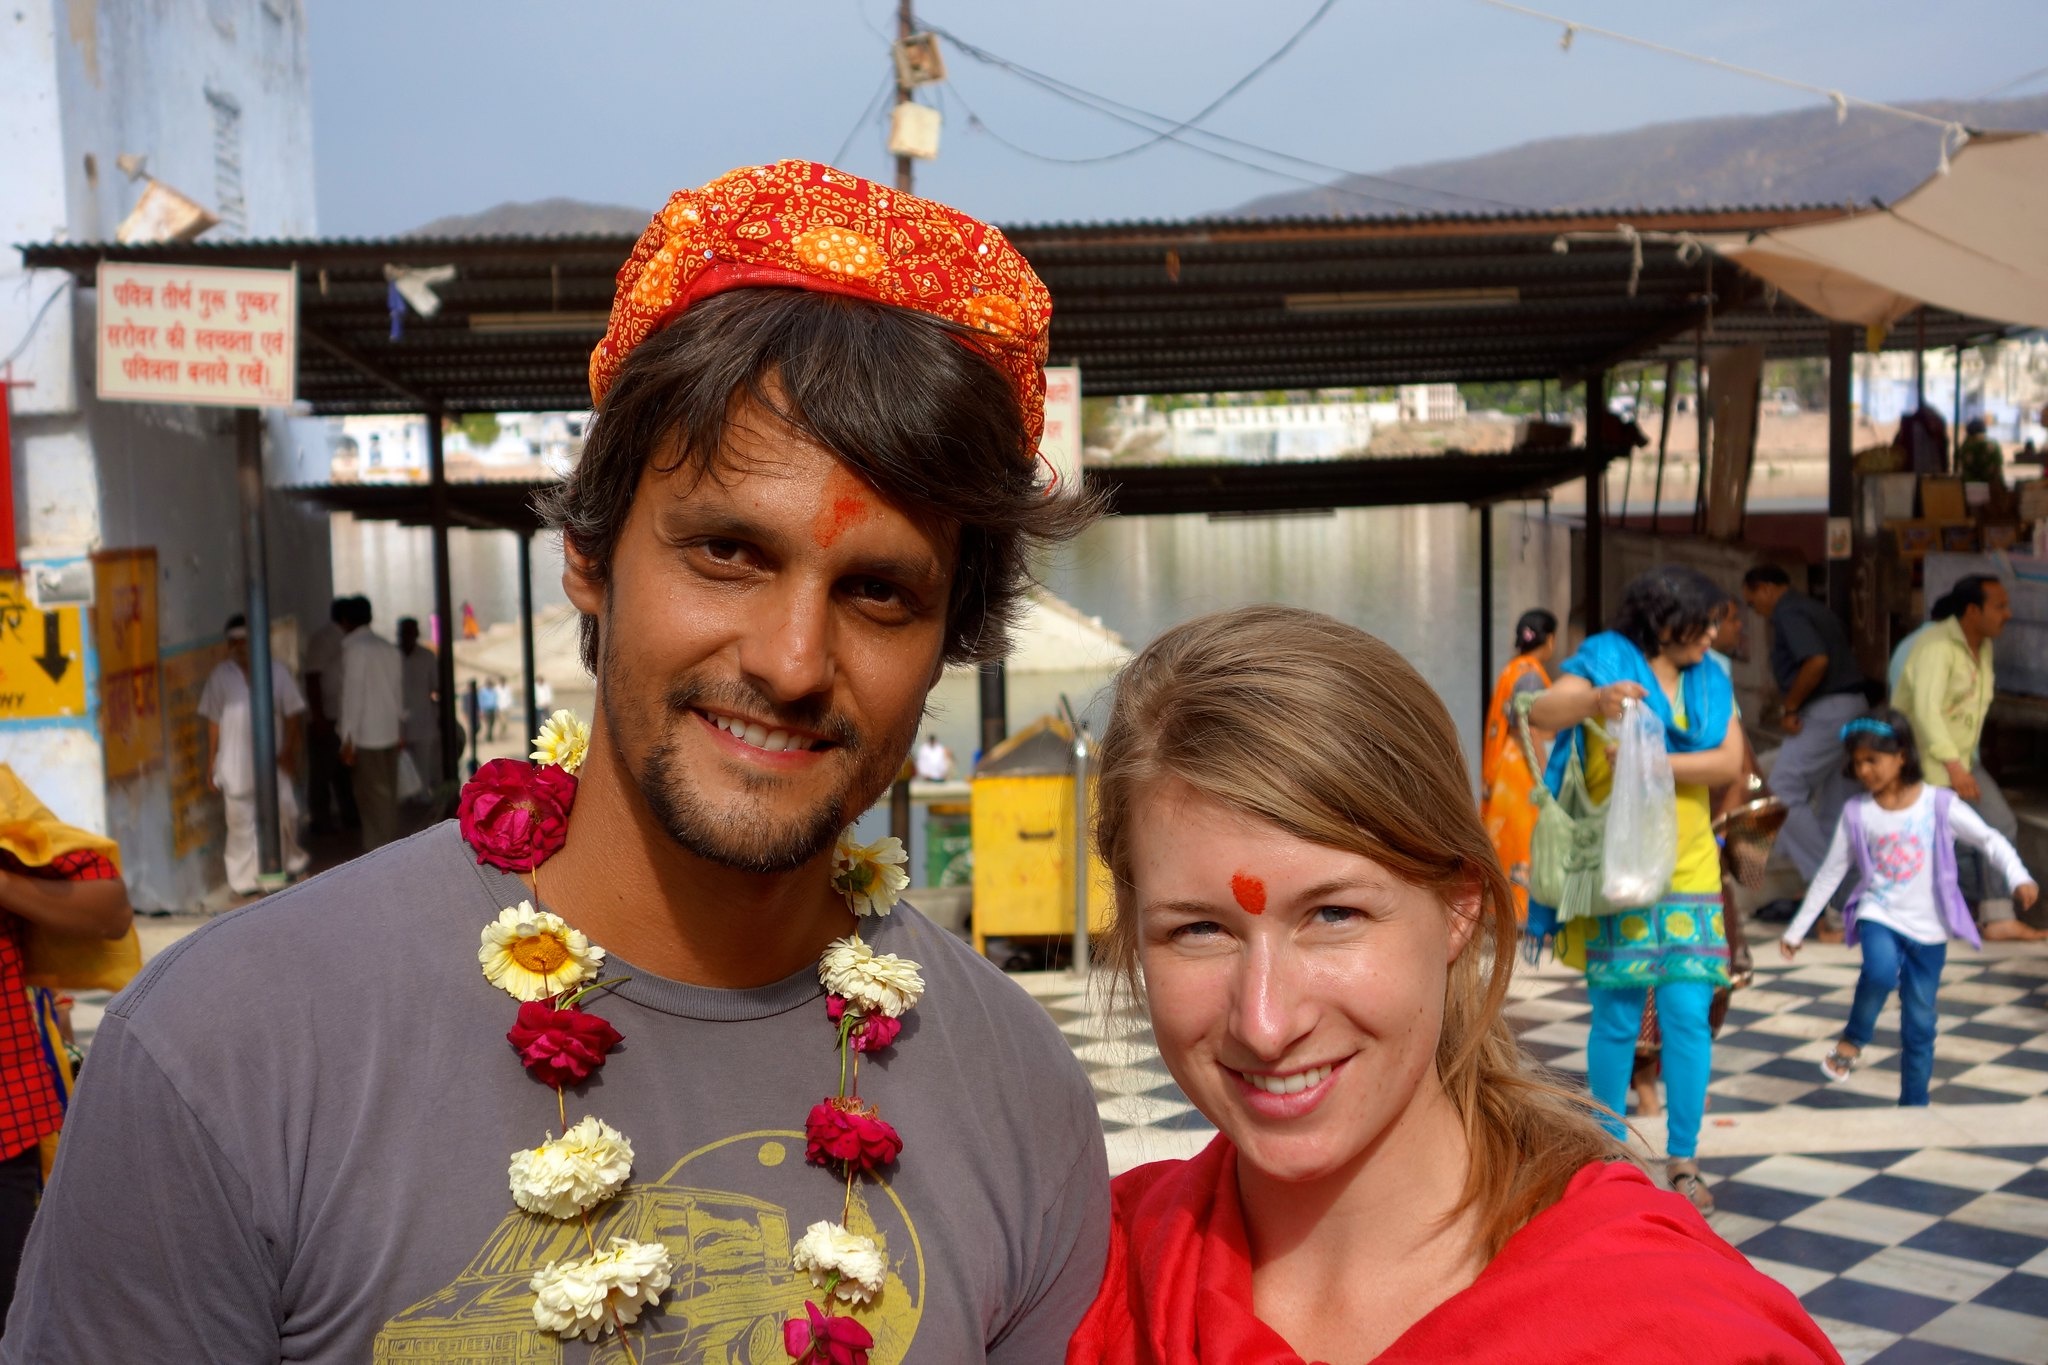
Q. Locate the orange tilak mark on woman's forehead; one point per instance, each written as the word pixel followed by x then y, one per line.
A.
pixel 848 505
pixel 1249 892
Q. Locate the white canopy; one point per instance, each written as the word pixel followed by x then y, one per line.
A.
pixel 1973 240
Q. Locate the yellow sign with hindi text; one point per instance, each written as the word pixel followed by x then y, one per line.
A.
pixel 42 657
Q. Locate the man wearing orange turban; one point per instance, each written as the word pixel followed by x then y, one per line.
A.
pixel 812 484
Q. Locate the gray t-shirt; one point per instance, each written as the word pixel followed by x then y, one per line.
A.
pixel 1802 627
pixel 291 1141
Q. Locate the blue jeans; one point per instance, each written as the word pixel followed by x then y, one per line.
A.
pixel 1688 1055
pixel 1893 962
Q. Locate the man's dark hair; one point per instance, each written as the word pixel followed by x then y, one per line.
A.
pixel 358 611
pixel 1761 574
pixel 1535 626
pixel 1888 732
pixel 337 611
pixel 908 401
pixel 1671 604
pixel 1969 592
pixel 236 622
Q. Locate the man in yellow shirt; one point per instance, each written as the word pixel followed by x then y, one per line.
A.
pixel 1946 690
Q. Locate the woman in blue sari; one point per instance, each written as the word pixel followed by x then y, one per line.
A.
pixel 1678 948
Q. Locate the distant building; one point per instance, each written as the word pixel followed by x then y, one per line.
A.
pixel 215 97
pixel 393 449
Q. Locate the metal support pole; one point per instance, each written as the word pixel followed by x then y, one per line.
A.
pixel 526 662
pixel 1486 617
pixel 1083 752
pixel 1663 441
pixel 1596 482
pixel 995 708
pixel 1704 425
pixel 1841 457
pixel 444 590
pixel 262 704
pixel 1955 428
pixel 905 26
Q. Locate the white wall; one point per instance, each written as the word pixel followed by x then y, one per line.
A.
pixel 82 82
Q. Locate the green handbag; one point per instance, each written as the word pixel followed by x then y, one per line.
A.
pixel 1568 845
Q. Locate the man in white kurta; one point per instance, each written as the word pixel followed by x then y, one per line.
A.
pixel 231 743
pixel 422 677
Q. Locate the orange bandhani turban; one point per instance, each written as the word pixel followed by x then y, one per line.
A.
pixel 798 224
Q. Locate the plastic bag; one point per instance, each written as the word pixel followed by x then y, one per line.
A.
pixel 1642 814
pixel 410 787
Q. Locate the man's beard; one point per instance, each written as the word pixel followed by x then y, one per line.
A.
pixel 742 837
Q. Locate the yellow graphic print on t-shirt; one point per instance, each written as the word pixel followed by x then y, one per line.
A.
pixel 734 1286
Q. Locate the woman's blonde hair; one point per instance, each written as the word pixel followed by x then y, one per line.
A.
pixel 1313 726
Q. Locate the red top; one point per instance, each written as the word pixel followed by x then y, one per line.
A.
pixel 1615 1270
pixel 30 1106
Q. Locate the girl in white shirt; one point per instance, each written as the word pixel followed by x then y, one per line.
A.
pixel 1900 840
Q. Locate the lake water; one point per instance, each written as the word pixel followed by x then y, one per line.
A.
pixel 1408 575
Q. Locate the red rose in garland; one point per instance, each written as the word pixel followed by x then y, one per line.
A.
pixel 560 1047
pixel 826 1339
pixel 516 814
pixel 870 1032
pixel 845 1130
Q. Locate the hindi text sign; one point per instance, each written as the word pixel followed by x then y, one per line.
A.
pixel 124 629
pixel 42 668
pixel 1061 444
pixel 197 334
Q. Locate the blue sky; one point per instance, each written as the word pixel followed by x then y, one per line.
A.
pixel 450 106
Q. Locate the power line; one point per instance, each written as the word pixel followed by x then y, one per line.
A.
pixel 866 116
pixel 35 323
pixel 1170 134
pixel 1180 134
pixel 1840 99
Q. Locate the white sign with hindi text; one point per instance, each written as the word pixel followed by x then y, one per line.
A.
pixel 197 334
pixel 1061 444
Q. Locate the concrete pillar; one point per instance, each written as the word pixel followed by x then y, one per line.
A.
pixel 262 704
pixel 1841 457
pixel 1596 512
pixel 444 591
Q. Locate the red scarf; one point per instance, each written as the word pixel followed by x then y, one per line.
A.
pixel 1615 1270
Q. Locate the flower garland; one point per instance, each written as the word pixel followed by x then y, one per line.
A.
pixel 515 815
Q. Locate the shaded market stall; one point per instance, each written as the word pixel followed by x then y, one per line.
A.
pixel 443 327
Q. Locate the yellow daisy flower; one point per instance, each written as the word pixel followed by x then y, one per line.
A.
pixel 563 741
pixel 531 954
pixel 870 876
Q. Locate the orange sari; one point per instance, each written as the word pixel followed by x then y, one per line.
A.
pixel 1506 785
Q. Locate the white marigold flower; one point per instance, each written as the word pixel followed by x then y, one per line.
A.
pixel 563 741
pixel 580 1297
pixel 827 1249
pixel 573 1173
pixel 532 954
pixel 870 876
pixel 873 983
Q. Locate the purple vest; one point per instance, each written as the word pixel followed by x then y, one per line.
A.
pixel 1954 912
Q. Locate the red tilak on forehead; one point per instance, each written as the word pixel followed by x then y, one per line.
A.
pixel 849 505
pixel 1249 892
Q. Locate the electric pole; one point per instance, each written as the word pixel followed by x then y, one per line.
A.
pixel 905 26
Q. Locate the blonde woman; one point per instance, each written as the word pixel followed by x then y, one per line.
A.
pixel 1324 937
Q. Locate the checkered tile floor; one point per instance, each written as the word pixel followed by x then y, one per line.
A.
pixel 1907 1255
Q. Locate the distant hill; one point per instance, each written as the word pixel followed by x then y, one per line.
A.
pixel 1796 158
pixel 542 218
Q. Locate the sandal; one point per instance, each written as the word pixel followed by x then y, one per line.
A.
pixel 1837 1064
pixel 1686 1180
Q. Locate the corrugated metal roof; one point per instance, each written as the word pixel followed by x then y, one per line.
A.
pixel 1159 306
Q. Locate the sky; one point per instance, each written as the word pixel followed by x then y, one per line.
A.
pixel 424 108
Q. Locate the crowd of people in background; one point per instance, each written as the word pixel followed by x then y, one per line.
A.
pixel 1896 830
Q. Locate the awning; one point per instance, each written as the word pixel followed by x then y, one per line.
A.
pixel 1973 240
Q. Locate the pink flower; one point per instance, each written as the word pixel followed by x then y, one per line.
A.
pixel 875 1032
pixel 560 1047
pixel 514 814
pixel 870 1032
pixel 824 1339
pixel 850 1132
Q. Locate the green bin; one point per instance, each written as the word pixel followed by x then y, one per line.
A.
pixel 948 844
